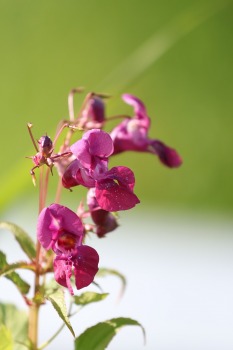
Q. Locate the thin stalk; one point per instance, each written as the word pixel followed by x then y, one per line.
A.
pixel 65 125
pixel 120 116
pixel 34 308
pixel 44 189
pixel 71 102
pixel 58 192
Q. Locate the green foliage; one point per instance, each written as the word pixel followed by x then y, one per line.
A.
pixel 89 297
pixel 13 276
pixel 51 287
pixel 14 325
pixel 99 336
pixel 24 240
pixel 57 299
pixel 6 338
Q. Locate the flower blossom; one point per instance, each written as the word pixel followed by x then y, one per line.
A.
pixel 114 187
pixel 104 220
pixel 93 115
pixel 61 230
pixel 132 135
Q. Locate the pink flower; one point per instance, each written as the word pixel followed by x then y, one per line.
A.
pixel 114 188
pixel 132 135
pixel 104 220
pixel 61 229
pixel 93 115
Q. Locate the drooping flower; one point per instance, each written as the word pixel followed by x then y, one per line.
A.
pixel 114 187
pixel 61 230
pixel 93 115
pixel 132 135
pixel 104 220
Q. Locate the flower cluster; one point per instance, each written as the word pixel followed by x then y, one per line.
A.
pixel 114 187
pixel 109 190
pixel 61 229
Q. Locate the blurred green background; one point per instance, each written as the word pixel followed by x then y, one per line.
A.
pixel 176 55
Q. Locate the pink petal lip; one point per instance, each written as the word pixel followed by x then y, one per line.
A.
pixel 54 220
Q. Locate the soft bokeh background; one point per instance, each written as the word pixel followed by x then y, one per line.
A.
pixel 176 55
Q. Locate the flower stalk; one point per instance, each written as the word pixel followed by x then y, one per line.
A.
pixel 85 163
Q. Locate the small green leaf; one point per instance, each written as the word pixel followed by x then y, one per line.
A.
pixel 103 272
pixel 24 240
pixel 18 265
pixel 99 336
pixel 58 301
pixel 16 321
pixel 51 287
pixel 8 271
pixel 89 297
pixel 6 338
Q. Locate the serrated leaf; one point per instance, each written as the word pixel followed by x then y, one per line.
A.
pixel 6 338
pixel 10 274
pixel 17 322
pixel 103 272
pixel 24 240
pixel 58 301
pixel 99 336
pixel 89 297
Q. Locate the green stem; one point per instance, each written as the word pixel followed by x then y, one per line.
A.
pixel 33 325
pixel 34 308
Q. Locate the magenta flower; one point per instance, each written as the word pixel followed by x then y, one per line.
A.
pixel 132 135
pixel 113 188
pixel 93 115
pixel 104 220
pixel 61 229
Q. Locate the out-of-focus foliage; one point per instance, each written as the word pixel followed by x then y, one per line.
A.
pixel 175 55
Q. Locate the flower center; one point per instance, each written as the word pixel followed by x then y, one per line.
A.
pixel 67 241
pixel 133 126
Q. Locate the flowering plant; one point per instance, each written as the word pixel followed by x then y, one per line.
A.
pixel 61 248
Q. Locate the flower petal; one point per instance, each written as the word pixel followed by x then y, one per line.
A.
pixel 123 175
pixel 104 220
pixel 100 143
pixel 44 231
pixel 94 111
pixel 139 107
pixel 70 221
pixel 85 266
pixel 69 176
pixel 63 273
pixel 112 196
pixel 81 150
pixel 53 221
pixel 168 156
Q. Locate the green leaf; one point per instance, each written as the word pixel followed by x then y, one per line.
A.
pixel 51 287
pixel 12 275
pixel 99 336
pixel 58 301
pixel 18 265
pixel 6 338
pixel 16 321
pixel 89 297
pixel 103 272
pixel 24 240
